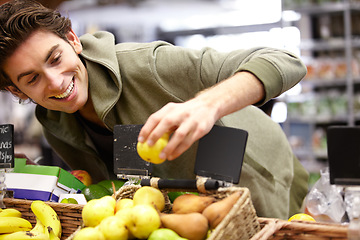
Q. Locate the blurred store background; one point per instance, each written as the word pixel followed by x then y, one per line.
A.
pixel 326 34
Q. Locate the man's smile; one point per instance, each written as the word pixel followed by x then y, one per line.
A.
pixel 67 92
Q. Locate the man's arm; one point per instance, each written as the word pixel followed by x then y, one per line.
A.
pixel 193 119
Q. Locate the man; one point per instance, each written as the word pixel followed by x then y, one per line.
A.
pixel 83 87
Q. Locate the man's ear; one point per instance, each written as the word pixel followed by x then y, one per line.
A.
pixel 74 41
pixel 15 91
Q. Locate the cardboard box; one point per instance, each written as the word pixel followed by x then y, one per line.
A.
pixel 36 182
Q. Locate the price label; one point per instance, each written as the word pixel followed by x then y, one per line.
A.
pixel 6 145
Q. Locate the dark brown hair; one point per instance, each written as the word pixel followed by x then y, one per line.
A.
pixel 18 20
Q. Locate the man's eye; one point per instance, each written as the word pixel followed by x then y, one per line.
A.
pixel 56 58
pixel 33 79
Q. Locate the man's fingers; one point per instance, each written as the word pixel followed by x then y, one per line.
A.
pixel 157 125
pixel 180 141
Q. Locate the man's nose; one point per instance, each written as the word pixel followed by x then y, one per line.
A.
pixel 54 79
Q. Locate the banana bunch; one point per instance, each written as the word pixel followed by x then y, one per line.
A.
pixel 14 227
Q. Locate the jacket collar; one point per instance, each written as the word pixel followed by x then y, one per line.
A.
pixel 99 54
pixel 100 48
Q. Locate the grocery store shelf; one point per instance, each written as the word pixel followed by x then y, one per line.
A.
pixel 327 44
pixel 318 84
pixel 220 30
pixel 325 8
pixel 318 119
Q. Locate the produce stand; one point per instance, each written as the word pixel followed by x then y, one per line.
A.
pixel 240 223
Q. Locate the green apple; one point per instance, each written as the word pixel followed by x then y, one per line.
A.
pixel 69 200
pixel 152 153
pixel 98 209
pixel 89 233
pixel 114 228
pixel 151 196
pixel 144 220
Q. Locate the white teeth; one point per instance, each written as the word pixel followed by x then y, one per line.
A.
pixel 67 92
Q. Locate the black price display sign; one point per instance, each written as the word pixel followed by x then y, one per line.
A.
pixel 6 145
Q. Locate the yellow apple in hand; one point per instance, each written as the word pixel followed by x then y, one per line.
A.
pixel 151 196
pixel 144 220
pixel 114 228
pixel 98 209
pixel 151 153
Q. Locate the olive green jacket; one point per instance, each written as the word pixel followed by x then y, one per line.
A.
pixel 130 81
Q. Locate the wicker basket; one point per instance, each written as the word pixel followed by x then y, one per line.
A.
pixel 69 214
pixel 240 223
pixel 274 229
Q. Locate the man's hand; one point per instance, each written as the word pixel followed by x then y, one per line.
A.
pixel 188 121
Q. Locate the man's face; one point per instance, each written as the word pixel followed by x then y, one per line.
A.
pixel 47 69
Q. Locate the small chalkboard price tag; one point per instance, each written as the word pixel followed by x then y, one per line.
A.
pixel 6 145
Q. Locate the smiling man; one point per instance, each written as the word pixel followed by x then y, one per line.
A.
pixel 85 86
pixel 46 69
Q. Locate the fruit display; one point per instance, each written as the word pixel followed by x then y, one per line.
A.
pixel 13 226
pixel 142 216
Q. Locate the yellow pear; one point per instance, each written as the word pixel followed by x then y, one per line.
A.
pixel 144 220
pixel 125 215
pixel 188 203
pixel 216 212
pixel 192 226
pixel 151 196
pixel 152 153
pixel 123 203
pixel 165 234
pixel 96 210
pixel 114 228
pixel 89 233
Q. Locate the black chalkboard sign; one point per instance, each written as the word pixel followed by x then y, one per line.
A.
pixel 6 146
pixel 344 154
pixel 126 159
pixel 220 154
